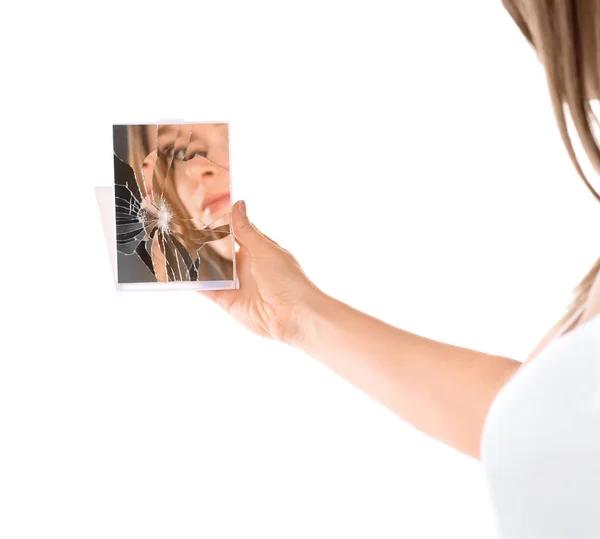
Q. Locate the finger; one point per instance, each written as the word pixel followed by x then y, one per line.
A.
pixel 246 234
pixel 223 298
pixel 271 240
pixel 210 294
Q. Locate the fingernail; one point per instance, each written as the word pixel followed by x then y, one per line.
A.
pixel 243 208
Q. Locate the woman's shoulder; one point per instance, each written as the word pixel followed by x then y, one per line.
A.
pixel 586 313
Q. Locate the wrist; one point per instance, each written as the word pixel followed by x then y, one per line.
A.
pixel 306 315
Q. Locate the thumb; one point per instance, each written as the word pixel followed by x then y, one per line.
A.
pixel 245 232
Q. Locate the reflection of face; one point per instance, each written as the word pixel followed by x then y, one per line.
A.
pixel 201 172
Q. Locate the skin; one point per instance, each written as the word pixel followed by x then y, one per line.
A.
pixel 443 390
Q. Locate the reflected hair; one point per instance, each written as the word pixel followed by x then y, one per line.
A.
pixel 566 37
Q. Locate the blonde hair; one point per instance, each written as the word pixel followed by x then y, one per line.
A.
pixel 566 37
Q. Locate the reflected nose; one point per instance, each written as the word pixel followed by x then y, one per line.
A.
pixel 203 170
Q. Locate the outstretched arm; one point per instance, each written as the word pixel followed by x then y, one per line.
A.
pixel 444 391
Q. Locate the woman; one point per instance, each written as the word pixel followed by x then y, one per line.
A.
pixel 173 200
pixel 541 442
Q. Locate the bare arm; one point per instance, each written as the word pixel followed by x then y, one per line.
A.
pixel 444 391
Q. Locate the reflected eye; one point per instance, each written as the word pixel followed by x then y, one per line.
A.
pixel 198 154
pixel 180 154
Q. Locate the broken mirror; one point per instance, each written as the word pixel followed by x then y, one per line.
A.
pixel 172 206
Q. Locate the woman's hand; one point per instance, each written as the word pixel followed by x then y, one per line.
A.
pixel 274 292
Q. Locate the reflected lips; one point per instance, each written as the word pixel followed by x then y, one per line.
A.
pixel 215 202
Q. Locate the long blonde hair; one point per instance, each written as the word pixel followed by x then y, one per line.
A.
pixel 566 37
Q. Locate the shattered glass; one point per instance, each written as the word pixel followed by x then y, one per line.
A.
pixel 172 203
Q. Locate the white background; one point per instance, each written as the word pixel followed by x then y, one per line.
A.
pixel 405 152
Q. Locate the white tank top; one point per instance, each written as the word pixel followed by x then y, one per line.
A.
pixel 540 445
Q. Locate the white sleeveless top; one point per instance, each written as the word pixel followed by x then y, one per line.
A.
pixel 540 446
